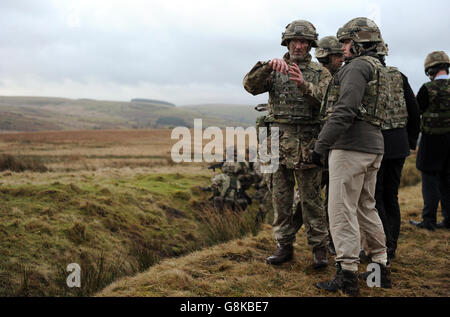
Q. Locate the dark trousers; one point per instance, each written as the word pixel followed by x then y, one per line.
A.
pixel 435 188
pixel 386 196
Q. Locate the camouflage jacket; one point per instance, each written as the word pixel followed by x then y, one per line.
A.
pixel 298 134
pixel 262 78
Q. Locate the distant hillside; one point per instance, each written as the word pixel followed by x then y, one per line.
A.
pixel 49 113
pixel 242 113
pixel 152 101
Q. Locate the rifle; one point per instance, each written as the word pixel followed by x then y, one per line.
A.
pixel 215 165
pixel 262 107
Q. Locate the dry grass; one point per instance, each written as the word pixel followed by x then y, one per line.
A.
pixel 111 195
pixel 20 164
pixel 91 150
pixel 237 268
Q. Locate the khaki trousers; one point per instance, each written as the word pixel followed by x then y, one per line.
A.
pixel 351 206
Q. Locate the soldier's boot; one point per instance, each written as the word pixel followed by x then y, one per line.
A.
pixel 385 278
pixel 320 257
pixel 344 280
pixel 283 254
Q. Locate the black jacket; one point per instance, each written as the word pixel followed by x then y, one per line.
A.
pixel 398 142
pixel 434 149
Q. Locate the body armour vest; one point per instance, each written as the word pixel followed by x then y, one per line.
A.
pixel 436 119
pixel 288 104
pixel 396 113
pixel 376 95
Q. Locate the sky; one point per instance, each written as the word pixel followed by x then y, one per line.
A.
pixel 186 52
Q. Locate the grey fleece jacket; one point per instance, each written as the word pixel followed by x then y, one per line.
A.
pixel 343 130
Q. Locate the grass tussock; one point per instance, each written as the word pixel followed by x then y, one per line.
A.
pixel 20 164
pixel 219 226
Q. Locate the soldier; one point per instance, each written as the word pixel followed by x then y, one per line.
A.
pixel 329 54
pixel 263 194
pixel 296 86
pixel 433 157
pixel 354 112
pixel 263 181
pixel 227 189
pixel 400 132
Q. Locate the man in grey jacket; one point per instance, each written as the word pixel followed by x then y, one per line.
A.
pixel 352 133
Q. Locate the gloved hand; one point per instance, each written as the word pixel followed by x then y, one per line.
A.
pixel 316 158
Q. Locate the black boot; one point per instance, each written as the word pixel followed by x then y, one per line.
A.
pixel 443 225
pixel 320 257
pixel 283 254
pixel 344 280
pixel 385 278
pixel 424 225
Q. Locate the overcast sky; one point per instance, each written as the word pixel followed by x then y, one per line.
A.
pixel 186 52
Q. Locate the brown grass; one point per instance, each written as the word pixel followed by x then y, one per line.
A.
pixel 238 269
pixel 21 164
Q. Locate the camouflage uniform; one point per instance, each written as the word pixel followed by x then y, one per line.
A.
pixel 227 189
pixel 296 112
pixel 328 45
pixel 263 195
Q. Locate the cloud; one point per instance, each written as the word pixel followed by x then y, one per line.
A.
pixel 189 94
pixel 71 47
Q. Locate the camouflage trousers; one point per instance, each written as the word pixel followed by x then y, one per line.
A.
pixel 264 198
pixel 309 210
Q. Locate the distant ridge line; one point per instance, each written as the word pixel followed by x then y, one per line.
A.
pixel 152 101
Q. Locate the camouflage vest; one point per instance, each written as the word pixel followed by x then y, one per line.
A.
pixel 396 114
pixel 376 95
pixel 436 119
pixel 288 105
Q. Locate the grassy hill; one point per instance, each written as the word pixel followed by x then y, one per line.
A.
pixel 47 113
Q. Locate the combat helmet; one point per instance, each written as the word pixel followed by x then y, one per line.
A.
pixel 300 29
pixel 436 58
pixel 360 30
pixel 364 34
pixel 327 46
